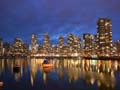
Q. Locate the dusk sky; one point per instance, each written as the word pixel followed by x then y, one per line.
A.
pixel 22 18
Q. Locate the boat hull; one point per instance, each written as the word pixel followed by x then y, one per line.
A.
pixel 47 65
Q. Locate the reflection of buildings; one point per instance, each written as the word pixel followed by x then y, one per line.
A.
pixel 91 72
pixel 104 36
pixel 9 65
pixel 88 43
pixel 45 77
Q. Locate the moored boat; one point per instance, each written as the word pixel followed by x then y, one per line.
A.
pixel 47 64
pixel 1 83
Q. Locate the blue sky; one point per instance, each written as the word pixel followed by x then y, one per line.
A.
pixel 21 18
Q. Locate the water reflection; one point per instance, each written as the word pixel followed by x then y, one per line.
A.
pixel 104 74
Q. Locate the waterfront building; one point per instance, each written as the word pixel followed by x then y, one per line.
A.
pixel 7 49
pixel 87 44
pixel 74 44
pixel 25 49
pixel 61 41
pixel 66 51
pixel 18 46
pixel 115 51
pixel 95 44
pixel 47 45
pixel 40 49
pixel 77 44
pixel 55 50
pixel 70 42
pixel 34 46
pixel 1 46
pixel 104 36
pixel 118 47
pixel 61 45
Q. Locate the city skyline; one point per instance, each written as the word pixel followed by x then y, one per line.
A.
pixel 58 18
pixel 41 42
pixel 100 44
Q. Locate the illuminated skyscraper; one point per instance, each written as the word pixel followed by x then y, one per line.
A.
pixel 74 44
pixel 34 44
pixel 7 49
pixel 61 41
pixel 61 45
pixel 88 43
pixel 1 46
pixel 70 43
pixel 118 47
pixel 104 34
pixel 77 44
pixel 18 46
pixel 47 46
pixel 25 49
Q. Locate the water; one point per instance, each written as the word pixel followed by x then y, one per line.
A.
pixel 66 74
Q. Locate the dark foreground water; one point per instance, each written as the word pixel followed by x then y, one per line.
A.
pixel 64 75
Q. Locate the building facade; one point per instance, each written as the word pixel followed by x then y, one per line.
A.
pixel 1 46
pixel 104 36
pixel 87 44
pixel 61 45
pixel 118 47
pixel 34 45
pixel 47 46
pixel 17 46
pixel 74 44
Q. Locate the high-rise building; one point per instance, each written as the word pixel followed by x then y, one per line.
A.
pixel 74 44
pixel 88 43
pixel 77 44
pixel 114 50
pixel 7 49
pixel 104 34
pixel 95 46
pixel 40 49
pixel 70 43
pixel 61 45
pixel 18 46
pixel 47 46
pixel 25 49
pixel 118 47
pixel 34 44
pixel 61 41
pixel 1 46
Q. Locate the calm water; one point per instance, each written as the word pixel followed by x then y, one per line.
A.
pixel 64 75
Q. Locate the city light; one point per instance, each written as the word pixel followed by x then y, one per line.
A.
pixel 98 45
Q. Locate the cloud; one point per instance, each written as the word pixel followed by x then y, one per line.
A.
pixel 57 17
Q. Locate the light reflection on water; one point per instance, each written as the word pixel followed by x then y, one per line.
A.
pixel 66 74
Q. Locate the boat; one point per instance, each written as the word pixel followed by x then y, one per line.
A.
pixel 1 83
pixel 46 64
